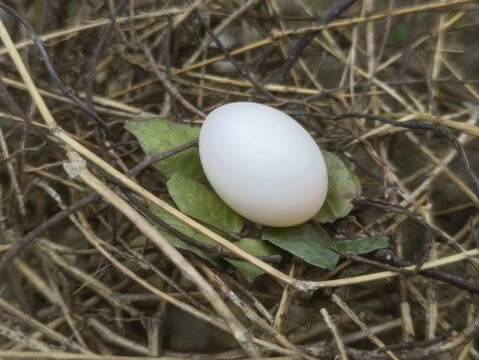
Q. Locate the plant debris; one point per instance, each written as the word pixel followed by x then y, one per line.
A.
pixel 134 257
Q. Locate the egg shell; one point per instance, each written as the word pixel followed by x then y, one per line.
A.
pixel 263 164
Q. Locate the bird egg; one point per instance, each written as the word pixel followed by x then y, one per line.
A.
pixel 263 164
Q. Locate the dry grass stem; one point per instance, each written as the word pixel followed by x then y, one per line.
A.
pixel 335 332
pixel 96 260
pixel 361 324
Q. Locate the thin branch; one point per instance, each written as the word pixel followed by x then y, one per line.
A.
pixel 231 59
pixel 388 207
pixel 168 84
pixel 242 336
pixel 382 46
pixel 113 338
pixel 335 332
pixel 68 343
pixel 13 177
pixel 20 244
pixel 389 257
pixel 166 51
pixel 307 38
pixel 151 159
pixel 98 49
pixel 227 292
pixel 416 125
pixel 347 22
pixel 340 302
pixel 214 250
pixel 67 91
pixel 391 262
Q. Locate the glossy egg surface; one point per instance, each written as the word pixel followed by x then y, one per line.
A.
pixel 263 164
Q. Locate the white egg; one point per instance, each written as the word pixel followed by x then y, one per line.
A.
pixel 263 164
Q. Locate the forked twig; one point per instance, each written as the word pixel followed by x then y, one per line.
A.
pixel 78 168
pixel 331 25
pixel 21 243
pixel 238 330
pixel 67 91
pixel 231 59
pixel 361 324
pixel 300 285
pixel 307 38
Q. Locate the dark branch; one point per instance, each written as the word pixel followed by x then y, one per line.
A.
pixel 231 59
pixel 306 39
pixel 66 91
pixel 416 125
pixel 151 159
pixel 21 243
pixel 214 250
pixel 98 49
pixel 389 257
pixel 166 47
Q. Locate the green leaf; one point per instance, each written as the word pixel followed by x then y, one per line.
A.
pixel 341 190
pixel 197 200
pixel 255 247
pixel 304 241
pixel 158 135
pixel 362 245
pixel 185 229
pixel 399 33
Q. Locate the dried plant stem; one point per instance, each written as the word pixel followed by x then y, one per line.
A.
pixel 423 303
pixel 38 334
pixel 67 313
pixel 388 274
pixel 36 280
pixel 172 211
pixel 362 325
pixel 219 29
pixel 95 285
pixel 441 167
pixel 77 29
pixel 73 144
pixel 306 39
pixel 67 92
pixel 376 329
pixel 233 61
pixel 113 338
pixel 59 355
pixel 250 314
pixel 331 25
pixel 168 84
pixel 21 243
pixel 11 173
pixel 128 109
pixel 99 245
pixel 47 116
pixel 335 331
pixel 239 332
pixel 70 344
pixel 20 337
pixel 287 297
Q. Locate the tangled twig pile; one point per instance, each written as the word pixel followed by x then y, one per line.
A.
pixel 388 87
